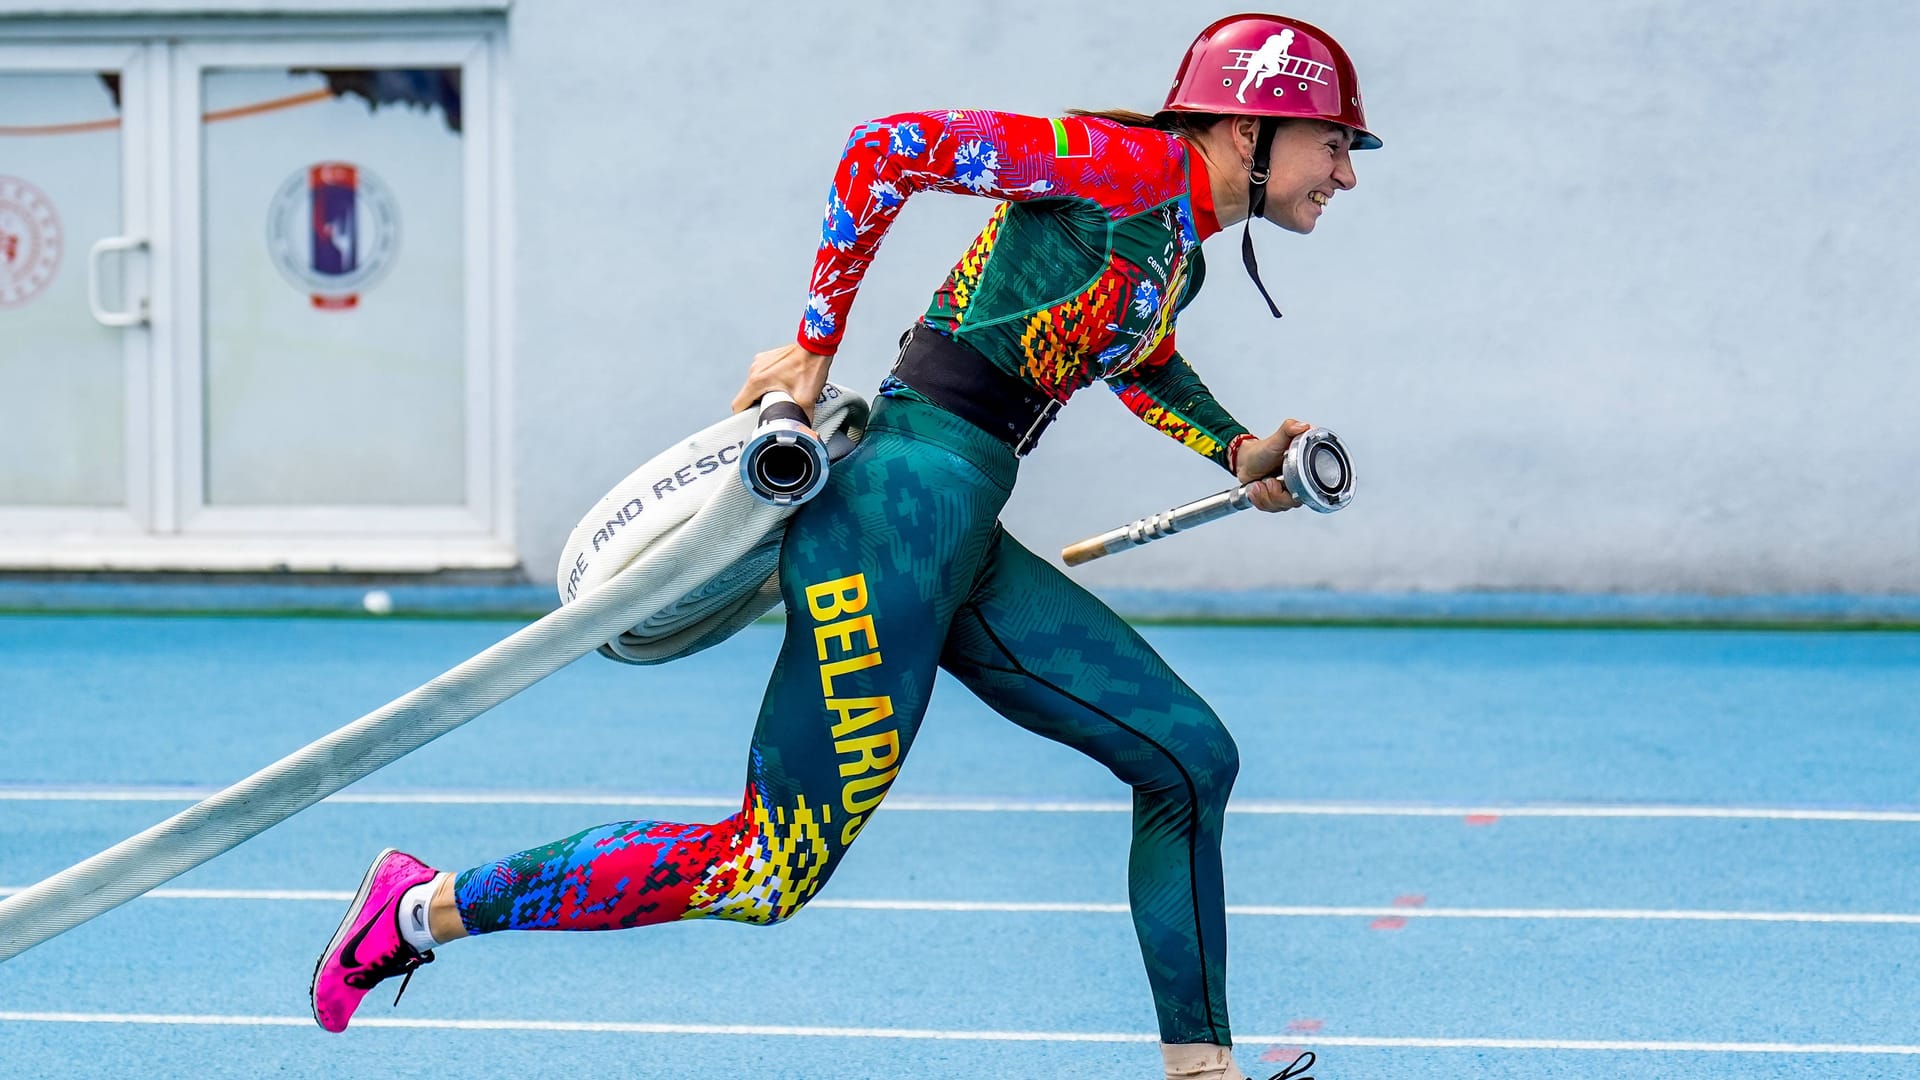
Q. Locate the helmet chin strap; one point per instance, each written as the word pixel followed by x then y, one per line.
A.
pixel 1257 203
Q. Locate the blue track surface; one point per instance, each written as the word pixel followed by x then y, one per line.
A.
pixel 1547 937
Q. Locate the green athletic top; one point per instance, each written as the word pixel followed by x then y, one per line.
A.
pixel 1078 275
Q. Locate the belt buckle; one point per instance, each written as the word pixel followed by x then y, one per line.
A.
pixel 1040 422
pixel 905 340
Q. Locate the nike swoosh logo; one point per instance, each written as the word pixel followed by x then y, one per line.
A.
pixel 347 956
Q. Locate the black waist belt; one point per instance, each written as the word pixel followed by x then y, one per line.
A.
pixel 959 379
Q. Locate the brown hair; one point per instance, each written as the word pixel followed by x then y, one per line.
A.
pixel 1180 123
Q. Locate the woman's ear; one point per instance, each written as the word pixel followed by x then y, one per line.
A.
pixel 1246 131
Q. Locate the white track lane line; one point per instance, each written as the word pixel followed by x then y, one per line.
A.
pixel 797 1031
pixel 995 806
pixel 1302 911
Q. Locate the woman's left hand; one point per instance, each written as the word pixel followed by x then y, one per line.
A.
pixel 1261 459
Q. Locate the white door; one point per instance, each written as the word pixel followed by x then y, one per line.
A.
pixel 75 407
pixel 337 378
pixel 301 370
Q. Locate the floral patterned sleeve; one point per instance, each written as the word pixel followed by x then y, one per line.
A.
pixel 999 155
pixel 1167 394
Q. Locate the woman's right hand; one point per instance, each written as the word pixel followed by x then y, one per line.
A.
pixel 1259 463
pixel 791 368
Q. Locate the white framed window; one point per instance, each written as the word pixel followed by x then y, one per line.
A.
pixel 76 164
pixel 314 270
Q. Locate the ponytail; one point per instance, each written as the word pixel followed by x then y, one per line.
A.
pixel 1180 123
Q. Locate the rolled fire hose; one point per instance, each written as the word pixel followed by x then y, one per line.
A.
pixel 735 483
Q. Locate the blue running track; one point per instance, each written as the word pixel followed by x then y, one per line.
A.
pixel 1453 853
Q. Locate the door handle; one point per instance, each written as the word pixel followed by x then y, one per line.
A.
pixel 137 317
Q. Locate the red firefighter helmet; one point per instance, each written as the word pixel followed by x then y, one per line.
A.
pixel 1270 65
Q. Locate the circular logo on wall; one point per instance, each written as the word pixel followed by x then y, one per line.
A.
pixel 333 231
pixel 30 242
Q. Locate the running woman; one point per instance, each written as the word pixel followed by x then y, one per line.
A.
pixel 900 566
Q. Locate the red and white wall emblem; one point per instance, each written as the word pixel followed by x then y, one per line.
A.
pixel 30 242
pixel 333 231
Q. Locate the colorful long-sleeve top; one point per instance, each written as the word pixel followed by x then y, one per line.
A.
pixel 1078 275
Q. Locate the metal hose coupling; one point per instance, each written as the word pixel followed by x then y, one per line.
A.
pixel 784 462
pixel 1318 472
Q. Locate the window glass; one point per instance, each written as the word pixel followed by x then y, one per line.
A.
pixel 63 379
pixel 333 288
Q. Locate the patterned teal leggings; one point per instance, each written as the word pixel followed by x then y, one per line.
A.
pixel 900 566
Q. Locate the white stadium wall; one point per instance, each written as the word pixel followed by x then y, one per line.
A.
pixel 1628 302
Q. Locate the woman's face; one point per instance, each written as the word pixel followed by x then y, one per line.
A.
pixel 1311 160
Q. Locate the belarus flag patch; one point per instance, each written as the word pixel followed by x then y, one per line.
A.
pixel 1070 139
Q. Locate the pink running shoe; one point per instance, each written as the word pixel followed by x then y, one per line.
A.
pixel 368 947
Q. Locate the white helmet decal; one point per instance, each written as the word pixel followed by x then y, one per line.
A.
pixel 1271 59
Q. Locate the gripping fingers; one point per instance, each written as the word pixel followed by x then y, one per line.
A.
pixel 790 368
pixel 1271 495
